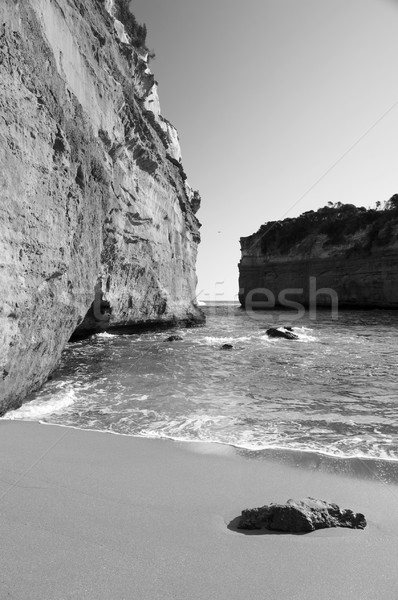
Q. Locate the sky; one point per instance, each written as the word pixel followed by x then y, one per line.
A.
pixel 281 107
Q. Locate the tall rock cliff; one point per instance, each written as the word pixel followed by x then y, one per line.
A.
pixel 97 221
pixel 340 254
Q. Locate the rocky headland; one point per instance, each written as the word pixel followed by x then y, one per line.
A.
pixel 97 220
pixel 339 253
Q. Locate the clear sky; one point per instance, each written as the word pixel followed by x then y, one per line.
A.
pixel 267 95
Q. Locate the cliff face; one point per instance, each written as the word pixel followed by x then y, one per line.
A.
pixel 97 223
pixel 356 264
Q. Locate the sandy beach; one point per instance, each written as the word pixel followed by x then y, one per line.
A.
pixel 87 515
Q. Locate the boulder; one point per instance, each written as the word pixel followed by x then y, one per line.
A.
pixel 300 516
pixel 282 332
pixel 174 338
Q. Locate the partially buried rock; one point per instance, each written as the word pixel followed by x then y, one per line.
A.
pixel 173 338
pixel 282 332
pixel 300 516
pixel 226 347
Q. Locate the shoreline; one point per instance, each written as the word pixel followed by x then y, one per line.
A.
pixel 365 467
pixel 97 517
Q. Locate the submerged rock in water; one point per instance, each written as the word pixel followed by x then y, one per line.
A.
pixel 226 347
pixel 282 332
pixel 300 516
pixel 174 338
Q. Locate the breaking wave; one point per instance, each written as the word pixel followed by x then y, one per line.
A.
pixel 332 392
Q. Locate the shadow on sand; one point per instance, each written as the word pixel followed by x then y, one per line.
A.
pixel 233 526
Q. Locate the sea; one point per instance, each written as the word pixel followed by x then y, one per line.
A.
pixel 333 391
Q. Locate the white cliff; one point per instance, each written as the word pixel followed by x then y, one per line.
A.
pixel 97 223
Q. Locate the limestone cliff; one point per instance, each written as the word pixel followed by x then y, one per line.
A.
pixel 97 221
pixel 340 252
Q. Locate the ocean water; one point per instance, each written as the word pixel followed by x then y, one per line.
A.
pixel 333 391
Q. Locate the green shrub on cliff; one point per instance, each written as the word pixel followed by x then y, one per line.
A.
pixel 135 31
pixel 392 203
pixel 338 222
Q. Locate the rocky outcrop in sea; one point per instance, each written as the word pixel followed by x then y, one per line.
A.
pixel 97 220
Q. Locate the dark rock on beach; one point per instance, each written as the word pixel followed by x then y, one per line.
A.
pixel 300 516
pixel 282 332
pixel 174 338
pixel 227 347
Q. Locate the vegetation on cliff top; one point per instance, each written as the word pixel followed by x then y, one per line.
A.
pixel 375 227
pixel 136 32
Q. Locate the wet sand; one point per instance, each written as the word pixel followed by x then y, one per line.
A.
pixel 87 515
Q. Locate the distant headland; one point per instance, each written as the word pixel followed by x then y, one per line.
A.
pixel 340 252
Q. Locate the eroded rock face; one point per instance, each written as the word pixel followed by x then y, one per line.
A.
pixel 95 210
pixel 300 516
pixel 319 274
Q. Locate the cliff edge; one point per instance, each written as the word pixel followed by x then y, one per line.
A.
pixel 340 253
pixel 97 221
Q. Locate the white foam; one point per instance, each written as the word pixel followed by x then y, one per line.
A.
pixel 105 334
pixel 304 334
pixel 303 337
pixel 223 340
pixel 37 409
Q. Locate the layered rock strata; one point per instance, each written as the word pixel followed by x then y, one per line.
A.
pixel 97 221
pixel 316 271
